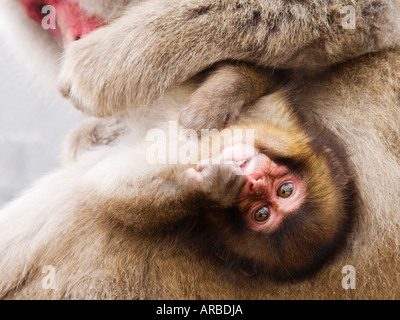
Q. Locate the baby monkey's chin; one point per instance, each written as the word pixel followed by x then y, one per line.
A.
pixel 250 160
pixel 240 153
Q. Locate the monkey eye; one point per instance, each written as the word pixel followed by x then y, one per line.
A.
pixel 261 215
pixel 285 190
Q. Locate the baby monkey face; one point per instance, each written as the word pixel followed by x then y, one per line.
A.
pixel 271 192
pixel 293 210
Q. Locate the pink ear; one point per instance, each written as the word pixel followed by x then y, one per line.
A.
pixel 338 169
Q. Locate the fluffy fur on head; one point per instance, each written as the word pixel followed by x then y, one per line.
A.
pixel 311 234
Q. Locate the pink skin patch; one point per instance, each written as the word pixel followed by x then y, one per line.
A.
pixel 72 22
pixel 264 178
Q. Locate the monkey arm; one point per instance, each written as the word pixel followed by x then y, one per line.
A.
pixel 153 201
pixel 157 45
pixel 135 191
pixel 158 195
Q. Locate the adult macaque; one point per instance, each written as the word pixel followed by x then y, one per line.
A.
pixel 238 85
pixel 153 45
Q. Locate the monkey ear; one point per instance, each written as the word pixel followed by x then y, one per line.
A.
pixel 337 165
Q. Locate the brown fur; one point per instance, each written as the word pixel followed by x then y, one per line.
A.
pixel 134 60
pixel 224 94
pixel 110 190
pixel 142 53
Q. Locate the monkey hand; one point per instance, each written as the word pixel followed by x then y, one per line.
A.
pixel 219 183
pixel 102 75
pixel 84 78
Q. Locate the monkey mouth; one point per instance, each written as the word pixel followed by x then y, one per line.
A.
pixel 63 18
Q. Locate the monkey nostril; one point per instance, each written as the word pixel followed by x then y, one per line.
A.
pixel 257 186
pixel 253 184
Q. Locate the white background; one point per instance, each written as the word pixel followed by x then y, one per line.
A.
pixel 33 123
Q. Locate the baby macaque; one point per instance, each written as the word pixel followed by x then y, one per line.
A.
pixel 286 211
pixel 277 208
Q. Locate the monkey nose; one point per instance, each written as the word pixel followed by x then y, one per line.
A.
pixel 257 186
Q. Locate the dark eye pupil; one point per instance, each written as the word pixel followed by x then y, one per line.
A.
pixel 285 190
pixel 261 214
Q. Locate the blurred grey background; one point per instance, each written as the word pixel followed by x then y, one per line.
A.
pixel 33 123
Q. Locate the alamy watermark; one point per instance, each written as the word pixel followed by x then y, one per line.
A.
pixel 184 146
pixel 349 21
pixel 349 280
pixel 49 280
pixel 49 20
